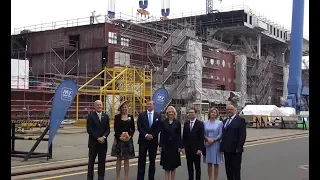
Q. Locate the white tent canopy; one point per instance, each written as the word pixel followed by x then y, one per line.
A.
pixel 262 110
pixel 289 111
pixel 271 111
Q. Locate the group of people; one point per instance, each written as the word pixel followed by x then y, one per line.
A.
pixel 216 141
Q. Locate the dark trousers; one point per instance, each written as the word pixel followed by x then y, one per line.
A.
pixel 233 165
pixel 151 148
pixel 193 158
pixel 101 151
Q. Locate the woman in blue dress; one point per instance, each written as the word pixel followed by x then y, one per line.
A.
pixel 212 135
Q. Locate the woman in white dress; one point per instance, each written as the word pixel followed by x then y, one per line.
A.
pixel 212 135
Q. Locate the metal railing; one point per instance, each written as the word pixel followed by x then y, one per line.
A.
pixel 175 39
pixel 136 19
pixel 174 66
pixel 175 88
pixel 264 82
pixel 265 97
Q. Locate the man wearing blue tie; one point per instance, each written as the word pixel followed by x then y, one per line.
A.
pixel 233 138
pixel 149 126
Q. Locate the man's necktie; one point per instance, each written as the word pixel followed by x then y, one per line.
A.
pixel 227 123
pixel 191 125
pixel 99 115
pixel 150 119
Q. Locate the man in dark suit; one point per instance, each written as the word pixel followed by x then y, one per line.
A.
pixel 98 128
pixel 149 124
pixel 233 138
pixel 193 142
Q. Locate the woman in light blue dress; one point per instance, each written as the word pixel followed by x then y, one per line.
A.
pixel 212 135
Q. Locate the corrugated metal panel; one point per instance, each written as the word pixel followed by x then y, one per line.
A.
pixel 90 37
pixel 90 62
pixel 40 42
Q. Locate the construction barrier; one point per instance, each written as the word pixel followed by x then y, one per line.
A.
pixel 30 154
pixel 31 123
pixel 275 122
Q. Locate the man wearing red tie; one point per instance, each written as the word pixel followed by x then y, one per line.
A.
pixel 233 139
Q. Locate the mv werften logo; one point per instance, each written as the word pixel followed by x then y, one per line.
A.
pixel 66 94
pixel 160 98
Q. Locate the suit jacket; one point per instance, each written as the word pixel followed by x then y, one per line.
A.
pixel 193 140
pixel 234 136
pixel 170 135
pixel 119 128
pixel 144 127
pixel 97 129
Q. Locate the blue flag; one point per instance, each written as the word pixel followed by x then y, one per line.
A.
pixel 63 98
pixel 160 97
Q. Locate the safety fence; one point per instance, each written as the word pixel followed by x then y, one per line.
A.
pixel 281 122
pixel 31 153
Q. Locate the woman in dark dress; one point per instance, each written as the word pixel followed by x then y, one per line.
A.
pixel 170 143
pixel 122 147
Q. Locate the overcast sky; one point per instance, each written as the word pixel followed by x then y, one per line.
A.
pixel 32 12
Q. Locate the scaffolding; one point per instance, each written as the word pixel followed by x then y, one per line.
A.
pixel 118 85
pixel 33 101
pixel 159 47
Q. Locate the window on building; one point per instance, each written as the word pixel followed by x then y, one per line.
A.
pixel 250 20
pixel 274 31
pixel 221 87
pixel 229 80
pixel 112 38
pixel 223 63
pixel 277 32
pixel 124 42
pixel 211 61
pixel 121 59
pixel 229 64
pixel 285 36
pixel 223 79
pixel 205 60
pixel 217 77
pixel 74 40
pixel 281 34
pixel 270 29
pixel 218 62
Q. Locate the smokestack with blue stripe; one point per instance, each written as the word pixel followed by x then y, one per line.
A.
pixel 111 9
pixel 165 8
pixel 143 5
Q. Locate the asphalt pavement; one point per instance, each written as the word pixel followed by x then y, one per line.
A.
pixel 284 160
pixel 68 141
